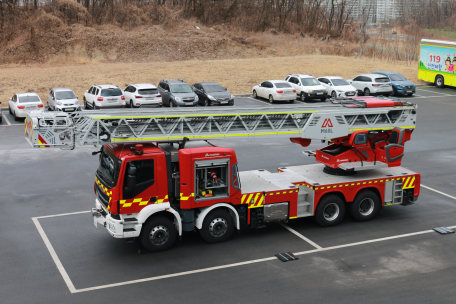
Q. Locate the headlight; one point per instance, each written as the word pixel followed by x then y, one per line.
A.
pixel 338 91
pixel 232 96
pixel 76 102
pixel 196 98
pixel 309 91
pixel 211 97
pixel 177 99
pixel 59 103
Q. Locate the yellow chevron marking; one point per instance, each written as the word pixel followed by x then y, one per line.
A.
pixel 243 198
pixel 293 217
pixel 126 205
pixel 144 203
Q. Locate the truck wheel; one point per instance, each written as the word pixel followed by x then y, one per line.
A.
pixel 158 234
pixel 439 81
pixel 330 211
pixel 365 206
pixel 217 226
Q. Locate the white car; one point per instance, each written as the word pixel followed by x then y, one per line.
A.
pixel 104 96
pixel 63 99
pixel 142 94
pixel 274 90
pixel 372 84
pixel 337 87
pixel 307 87
pixel 21 104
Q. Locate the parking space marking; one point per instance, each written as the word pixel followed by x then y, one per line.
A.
pixel 54 256
pixel 429 188
pixel 6 119
pixel 72 289
pixel 300 236
pixel 437 93
pixel 258 100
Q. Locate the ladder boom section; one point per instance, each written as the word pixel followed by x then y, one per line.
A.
pixel 66 130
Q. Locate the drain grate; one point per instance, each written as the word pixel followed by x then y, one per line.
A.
pixel 286 256
pixel 443 230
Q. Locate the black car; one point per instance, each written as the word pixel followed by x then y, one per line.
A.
pixel 212 93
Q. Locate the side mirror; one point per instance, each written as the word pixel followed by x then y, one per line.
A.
pixel 330 84
pixel 131 178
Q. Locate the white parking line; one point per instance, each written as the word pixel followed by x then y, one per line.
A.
pixel 6 119
pixel 438 93
pixel 447 195
pixel 258 100
pixel 300 236
pixel 72 289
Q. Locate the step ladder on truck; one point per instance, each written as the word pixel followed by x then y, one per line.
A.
pixel 158 176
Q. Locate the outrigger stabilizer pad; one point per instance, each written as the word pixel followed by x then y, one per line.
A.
pixel 286 256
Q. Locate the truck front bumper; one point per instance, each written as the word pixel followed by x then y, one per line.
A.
pixel 115 227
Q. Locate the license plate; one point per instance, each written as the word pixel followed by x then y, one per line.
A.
pixel 112 100
pixel 319 93
pixel 95 222
pixel 149 98
pixel 69 109
pixel 350 94
pixel 223 102
pixel 189 104
pixel 30 108
pixel 385 86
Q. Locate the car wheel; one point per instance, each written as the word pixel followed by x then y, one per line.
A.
pixel 271 99
pixel 302 96
pixel 291 101
pixel 206 102
pixel 323 99
pixel 218 226
pixel 255 95
pixel 367 92
pixel 386 95
pixel 439 81
pixel 409 94
pixel 171 103
pixel 131 104
pixel 86 107
pixel 9 109
pixel 395 92
pixel 158 234
pixel 365 206
pixel 330 210
pixel 15 117
pixel 50 108
pixel 333 94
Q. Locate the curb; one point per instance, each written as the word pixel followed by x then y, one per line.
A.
pixel 242 95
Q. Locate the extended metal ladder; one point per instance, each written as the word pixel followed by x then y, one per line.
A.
pixel 64 130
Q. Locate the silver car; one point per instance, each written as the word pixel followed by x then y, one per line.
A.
pixel 63 99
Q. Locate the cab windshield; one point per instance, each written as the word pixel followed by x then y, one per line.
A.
pixel 109 168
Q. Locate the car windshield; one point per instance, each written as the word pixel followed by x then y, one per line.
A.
pixel 65 95
pixel 147 91
pixel 281 85
pixel 109 167
pixel 309 81
pixel 381 79
pixel 397 77
pixel 25 99
pixel 111 92
pixel 339 82
pixel 181 88
pixel 213 88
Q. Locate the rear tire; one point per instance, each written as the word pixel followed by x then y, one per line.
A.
pixel 206 102
pixel 439 81
pixel 15 117
pixel 367 92
pixel 291 101
pixel 365 206
pixel 158 234
pixel 323 99
pixel 86 106
pixel 271 99
pixel 409 94
pixel 171 105
pixel 9 109
pixel 330 211
pixel 218 226
pixel 131 104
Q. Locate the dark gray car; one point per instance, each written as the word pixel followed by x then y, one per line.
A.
pixel 212 93
pixel 177 93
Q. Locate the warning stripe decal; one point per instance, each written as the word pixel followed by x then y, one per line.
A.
pixel 408 182
pixel 143 201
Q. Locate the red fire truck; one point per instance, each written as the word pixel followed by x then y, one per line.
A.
pixel 155 190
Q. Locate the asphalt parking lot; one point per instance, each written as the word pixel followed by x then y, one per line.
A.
pixel 52 253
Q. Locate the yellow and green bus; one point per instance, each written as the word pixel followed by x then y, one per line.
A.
pixel 438 62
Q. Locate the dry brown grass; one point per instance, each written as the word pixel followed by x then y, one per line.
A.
pixel 239 75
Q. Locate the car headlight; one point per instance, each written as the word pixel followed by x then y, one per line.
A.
pixel 76 102
pixel 177 99
pixel 232 96
pixel 338 91
pixel 59 103
pixel 398 85
pixel 309 91
pixel 211 97
pixel 196 98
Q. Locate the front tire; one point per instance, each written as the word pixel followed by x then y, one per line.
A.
pixel 206 102
pixel 255 95
pixel 86 106
pixel 439 81
pixel 330 211
pixel 218 226
pixel 158 234
pixel 9 109
pixel 302 97
pixel 323 99
pixel 171 105
pixel 367 92
pixel 365 206
pixel 131 104
pixel 333 94
pixel 271 99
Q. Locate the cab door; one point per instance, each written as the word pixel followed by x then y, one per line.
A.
pixel 394 149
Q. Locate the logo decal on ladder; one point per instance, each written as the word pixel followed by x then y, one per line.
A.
pixel 327 123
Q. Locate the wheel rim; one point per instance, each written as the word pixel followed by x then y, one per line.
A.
pixel 271 100
pixel 171 104
pixel 218 227
pixel 159 235
pixel 302 97
pixel 333 94
pixel 366 92
pixel 439 81
pixel 255 94
pixel 331 212
pixel 366 207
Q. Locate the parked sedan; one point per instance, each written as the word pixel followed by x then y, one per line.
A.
pixel 63 99
pixel 372 84
pixel 21 104
pixel 337 87
pixel 275 90
pixel 142 94
pixel 212 93
pixel 401 86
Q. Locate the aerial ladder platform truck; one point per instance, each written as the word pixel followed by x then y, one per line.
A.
pixel 159 175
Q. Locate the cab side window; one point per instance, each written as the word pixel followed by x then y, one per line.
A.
pixel 145 177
